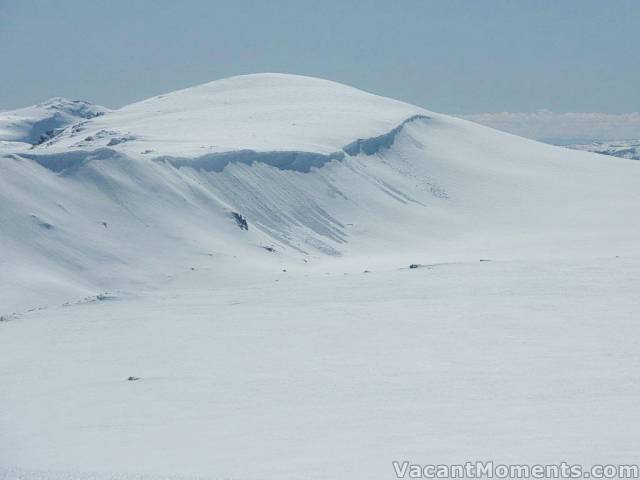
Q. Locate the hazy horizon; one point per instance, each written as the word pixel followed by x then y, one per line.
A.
pixel 453 57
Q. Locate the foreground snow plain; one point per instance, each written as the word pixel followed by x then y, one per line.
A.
pixel 319 375
pixel 514 340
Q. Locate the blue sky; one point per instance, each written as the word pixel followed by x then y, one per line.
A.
pixel 449 56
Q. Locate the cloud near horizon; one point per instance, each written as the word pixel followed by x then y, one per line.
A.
pixel 547 125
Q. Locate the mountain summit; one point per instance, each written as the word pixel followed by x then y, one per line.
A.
pixel 261 112
pixel 36 124
pixel 260 171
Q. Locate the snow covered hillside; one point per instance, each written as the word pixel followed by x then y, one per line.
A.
pixel 316 169
pixel 36 124
pixel 266 112
pixel 241 250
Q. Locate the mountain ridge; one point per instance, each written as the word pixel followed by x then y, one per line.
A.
pixel 260 112
pixel 38 123
pixel 384 183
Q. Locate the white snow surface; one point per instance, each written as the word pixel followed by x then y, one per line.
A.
pixel 304 347
pixel 31 124
pixel 262 112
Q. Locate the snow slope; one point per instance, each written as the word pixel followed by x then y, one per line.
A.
pixel 32 125
pixel 124 252
pixel 355 175
pixel 290 375
pixel 264 112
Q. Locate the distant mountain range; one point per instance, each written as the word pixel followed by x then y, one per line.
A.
pixel 617 148
pixel 609 134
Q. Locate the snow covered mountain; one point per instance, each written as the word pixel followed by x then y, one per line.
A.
pixel 263 113
pixel 629 149
pixel 36 124
pixel 314 167
pixel 216 282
